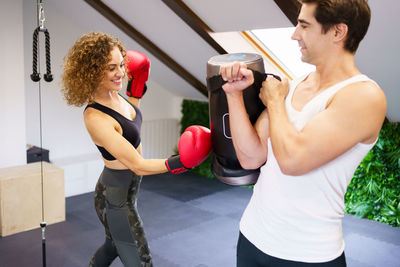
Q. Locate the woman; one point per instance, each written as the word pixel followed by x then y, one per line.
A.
pixel 94 70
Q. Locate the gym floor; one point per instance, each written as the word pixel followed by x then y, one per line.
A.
pixel 190 221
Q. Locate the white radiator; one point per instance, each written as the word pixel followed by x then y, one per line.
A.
pixel 159 138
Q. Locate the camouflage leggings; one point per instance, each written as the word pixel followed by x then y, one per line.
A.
pixel 115 202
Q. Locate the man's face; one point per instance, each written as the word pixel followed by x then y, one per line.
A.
pixel 308 33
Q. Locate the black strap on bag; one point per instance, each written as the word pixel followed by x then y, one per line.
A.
pixel 216 82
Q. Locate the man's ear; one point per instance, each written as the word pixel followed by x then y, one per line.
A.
pixel 340 31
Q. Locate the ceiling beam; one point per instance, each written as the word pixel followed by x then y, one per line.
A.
pixel 191 19
pixel 124 26
pixel 290 8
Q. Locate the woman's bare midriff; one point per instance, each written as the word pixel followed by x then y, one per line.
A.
pixel 114 164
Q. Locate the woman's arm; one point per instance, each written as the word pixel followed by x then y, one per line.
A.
pixel 194 146
pixel 103 132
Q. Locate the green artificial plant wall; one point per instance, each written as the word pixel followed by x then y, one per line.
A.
pixel 374 191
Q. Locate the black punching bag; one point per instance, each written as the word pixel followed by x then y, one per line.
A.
pixel 225 165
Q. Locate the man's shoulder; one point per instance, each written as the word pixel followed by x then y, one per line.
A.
pixel 365 89
pixel 362 96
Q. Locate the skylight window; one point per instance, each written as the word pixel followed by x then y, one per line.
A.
pixel 278 43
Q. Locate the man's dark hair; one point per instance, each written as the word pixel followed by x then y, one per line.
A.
pixel 356 14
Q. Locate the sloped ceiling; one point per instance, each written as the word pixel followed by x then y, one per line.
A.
pixel 155 20
pixel 228 15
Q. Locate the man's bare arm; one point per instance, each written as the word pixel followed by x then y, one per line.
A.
pixel 355 115
pixel 250 142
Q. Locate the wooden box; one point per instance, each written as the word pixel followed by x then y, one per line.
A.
pixel 21 197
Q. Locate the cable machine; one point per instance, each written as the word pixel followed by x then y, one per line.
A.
pixel 36 77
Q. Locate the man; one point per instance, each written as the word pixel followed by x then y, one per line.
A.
pixel 309 140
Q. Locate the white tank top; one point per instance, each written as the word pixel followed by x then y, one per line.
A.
pixel 299 218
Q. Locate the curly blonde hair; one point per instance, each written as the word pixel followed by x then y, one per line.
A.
pixel 85 66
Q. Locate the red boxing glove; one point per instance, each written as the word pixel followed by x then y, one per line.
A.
pixel 194 147
pixel 138 68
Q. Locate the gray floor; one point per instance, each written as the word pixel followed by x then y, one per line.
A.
pixel 190 221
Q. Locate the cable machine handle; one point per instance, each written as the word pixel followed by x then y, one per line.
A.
pixel 35 76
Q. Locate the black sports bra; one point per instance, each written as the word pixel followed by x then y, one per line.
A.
pixel 130 128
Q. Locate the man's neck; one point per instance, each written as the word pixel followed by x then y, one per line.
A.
pixel 335 69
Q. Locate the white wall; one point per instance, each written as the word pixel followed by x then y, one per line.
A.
pixel 12 97
pixel 63 131
pixel 378 55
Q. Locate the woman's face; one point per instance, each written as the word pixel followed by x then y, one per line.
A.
pixel 112 80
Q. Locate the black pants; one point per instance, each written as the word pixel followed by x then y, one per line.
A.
pixel 115 203
pixel 249 255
